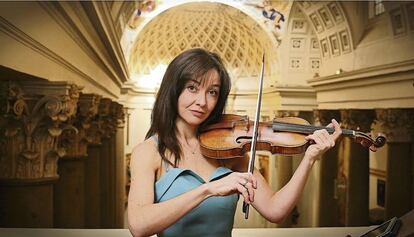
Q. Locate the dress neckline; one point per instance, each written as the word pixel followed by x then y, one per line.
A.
pixel 218 172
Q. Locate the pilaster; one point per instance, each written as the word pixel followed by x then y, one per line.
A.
pixel 354 167
pixel 397 125
pixel 34 115
pixel 328 209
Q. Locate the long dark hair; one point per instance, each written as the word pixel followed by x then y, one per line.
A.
pixel 190 64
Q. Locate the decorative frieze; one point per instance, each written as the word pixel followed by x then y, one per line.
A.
pixel 287 113
pixel 110 116
pixel 359 120
pixel 32 121
pixel 396 124
pixel 324 117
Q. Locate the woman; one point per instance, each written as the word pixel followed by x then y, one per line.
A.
pixel 175 191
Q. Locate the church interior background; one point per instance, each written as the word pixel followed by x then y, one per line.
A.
pixel 78 80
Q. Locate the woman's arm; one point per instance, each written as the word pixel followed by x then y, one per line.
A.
pixel 275 206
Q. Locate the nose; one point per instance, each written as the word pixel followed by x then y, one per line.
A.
pixel 201 99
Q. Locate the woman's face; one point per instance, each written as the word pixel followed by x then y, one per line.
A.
pixel 198 98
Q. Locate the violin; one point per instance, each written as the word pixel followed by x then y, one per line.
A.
pixel 231 137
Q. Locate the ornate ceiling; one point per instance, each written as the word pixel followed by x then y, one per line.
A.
pixel 220 28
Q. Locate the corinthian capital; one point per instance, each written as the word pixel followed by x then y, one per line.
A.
pixel 76 143
pixel 357 119
pixel 396 124
pixel 324 117
pixel 37 113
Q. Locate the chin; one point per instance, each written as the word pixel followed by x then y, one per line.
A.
pixel 195 121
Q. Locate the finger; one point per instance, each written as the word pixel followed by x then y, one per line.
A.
pixel 327 139
pixel 338 130
pixel 243 181
pixel 309 137
pixel 248 178
pixel 252 180
pixel 330 125
pixel 250 191
pixel 243 191
pixel 322 140
pixel 317 137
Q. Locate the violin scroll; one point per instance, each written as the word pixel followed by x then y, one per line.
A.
pixel 366 141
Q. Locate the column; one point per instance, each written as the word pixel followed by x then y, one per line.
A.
pixel 397 125
pixel 33 117
pixel 329 194
pixel 355 166
pixel 93 196
pixel 71 185
pixel 286 165
pixel 120 167
pixel 113 162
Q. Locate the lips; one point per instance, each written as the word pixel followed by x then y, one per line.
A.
pixel 196 113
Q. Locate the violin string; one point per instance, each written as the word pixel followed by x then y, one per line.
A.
pixel 307 128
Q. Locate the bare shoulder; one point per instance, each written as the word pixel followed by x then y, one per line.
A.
pixel 145 154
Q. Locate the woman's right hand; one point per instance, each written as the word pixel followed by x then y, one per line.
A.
pixel 243 183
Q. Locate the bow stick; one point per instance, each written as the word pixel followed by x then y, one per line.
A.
pixel 255 133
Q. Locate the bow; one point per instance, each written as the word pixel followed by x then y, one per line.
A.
pixel 255 133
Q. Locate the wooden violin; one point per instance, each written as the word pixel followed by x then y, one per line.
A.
pixel 231 137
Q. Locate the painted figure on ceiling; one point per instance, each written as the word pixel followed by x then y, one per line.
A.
pixel 141 7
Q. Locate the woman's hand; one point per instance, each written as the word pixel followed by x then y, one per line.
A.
pixel 322 141
pixel 243 183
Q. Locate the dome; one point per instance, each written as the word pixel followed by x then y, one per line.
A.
pixel 220 28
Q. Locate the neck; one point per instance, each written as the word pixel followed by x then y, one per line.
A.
pixel 185 132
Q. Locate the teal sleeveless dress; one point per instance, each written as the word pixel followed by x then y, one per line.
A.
pixel 212 217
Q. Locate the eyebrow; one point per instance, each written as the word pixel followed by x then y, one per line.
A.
pixel 199 83
pixel 195 81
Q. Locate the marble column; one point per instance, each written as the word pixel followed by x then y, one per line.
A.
pixel 286 165
pixel 355 166
pixel 34 114
pixel 330 192
pixel 398 126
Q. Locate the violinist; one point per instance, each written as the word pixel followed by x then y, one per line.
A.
pixel 175 190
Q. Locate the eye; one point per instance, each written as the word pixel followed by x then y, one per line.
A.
pixel 213 92
pixel 192 88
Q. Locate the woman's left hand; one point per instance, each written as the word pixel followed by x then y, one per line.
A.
pixel 323 141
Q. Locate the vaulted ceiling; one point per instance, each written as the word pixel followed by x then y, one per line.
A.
pixel 237 37
pixel 216 27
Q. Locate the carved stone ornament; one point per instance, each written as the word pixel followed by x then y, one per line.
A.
pixel 76 144
pixel 396 124
pixel 359 120
pixel 324 117
pixel 118 113
pixel 100 124
pixel 30 128
pixel 287 113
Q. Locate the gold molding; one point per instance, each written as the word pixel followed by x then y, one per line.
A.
pixel 366 73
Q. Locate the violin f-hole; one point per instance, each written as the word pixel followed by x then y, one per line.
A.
pixel 238 139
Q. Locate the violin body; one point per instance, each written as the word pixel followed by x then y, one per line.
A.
pixel 231 137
